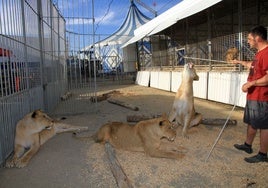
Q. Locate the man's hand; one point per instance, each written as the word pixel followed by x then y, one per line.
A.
pixel 234 61
pixel 247 85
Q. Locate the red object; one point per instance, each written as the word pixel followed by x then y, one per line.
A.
pixel 5 52
pixel 258 69
pixel 17 83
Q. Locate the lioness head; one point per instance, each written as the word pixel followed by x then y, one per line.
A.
pixel 41 120
pixel 231 54
pixel 167 129
pixel 189 72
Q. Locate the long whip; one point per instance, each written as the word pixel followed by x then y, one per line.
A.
pixel 216 141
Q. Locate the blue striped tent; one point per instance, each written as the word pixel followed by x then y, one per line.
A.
pixel 109 50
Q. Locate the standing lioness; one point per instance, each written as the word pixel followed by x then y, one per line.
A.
pixel 32 131
pixel 183 107
pixel 145 136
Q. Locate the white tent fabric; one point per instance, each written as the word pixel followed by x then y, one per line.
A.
pixel 180 11
pixel 135 18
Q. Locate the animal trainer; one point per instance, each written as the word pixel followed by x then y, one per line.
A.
pixel 256 87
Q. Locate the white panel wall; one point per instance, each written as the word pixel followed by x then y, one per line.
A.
pixel 222 87
pixel 175 80
pixel 154 79
pixel 143 78
pixel 219 87
pixel 200 86
pixel 226 87
pixel 164 80
pixel 241 96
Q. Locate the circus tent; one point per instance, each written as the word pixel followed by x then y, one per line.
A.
pixel 109 50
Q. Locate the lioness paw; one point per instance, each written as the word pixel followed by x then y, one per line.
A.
pixel 21 164
pixel 184 135
pixel 180 149
pixel 10 164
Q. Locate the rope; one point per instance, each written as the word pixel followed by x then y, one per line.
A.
pixel 202 59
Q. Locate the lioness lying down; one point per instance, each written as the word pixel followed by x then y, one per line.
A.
pixel 32 131
pixel 146 136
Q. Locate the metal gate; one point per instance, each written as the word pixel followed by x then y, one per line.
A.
pixel 32 63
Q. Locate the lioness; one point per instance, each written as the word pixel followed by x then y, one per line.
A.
pixel 183 107
pixel 145 136
pixel 231 54
pixel 32 131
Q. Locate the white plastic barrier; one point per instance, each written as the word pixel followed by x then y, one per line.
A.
pixel 219 86
pixel 222 87
pixel 241 101
pixel 160 80
pixel 201 86
pixel 164 80
pixel 154 76
pixel 143 78
pixel 175 80
pixel 226 87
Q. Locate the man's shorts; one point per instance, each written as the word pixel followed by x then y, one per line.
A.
pixel 256 114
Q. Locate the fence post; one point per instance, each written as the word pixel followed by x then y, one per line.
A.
pixel 41 35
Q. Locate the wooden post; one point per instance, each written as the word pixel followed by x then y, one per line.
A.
pixel 104 96
pixel 124 104
pixel 118 173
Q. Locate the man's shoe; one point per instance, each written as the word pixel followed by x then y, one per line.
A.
pixel 256 158
pixel 244 148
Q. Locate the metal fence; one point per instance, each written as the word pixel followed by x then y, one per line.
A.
pixel 34 73
pixel 32 63
pixel 205 37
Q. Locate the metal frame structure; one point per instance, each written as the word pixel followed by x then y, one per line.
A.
pixel 32 63
pixel 35 43
pixel 204 37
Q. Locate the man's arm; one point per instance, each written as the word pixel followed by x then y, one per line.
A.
pixel 263 81
pixel 244 63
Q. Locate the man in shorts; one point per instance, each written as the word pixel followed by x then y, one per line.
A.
pixel 256 109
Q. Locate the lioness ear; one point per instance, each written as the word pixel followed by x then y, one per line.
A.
pixel 191 65
pixel 34 114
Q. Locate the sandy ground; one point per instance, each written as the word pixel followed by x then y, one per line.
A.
pixel 67 162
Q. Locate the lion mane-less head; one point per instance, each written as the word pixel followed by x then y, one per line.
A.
pixel 189 72
pixel 41 120
pixel 231 54
pixel 167 128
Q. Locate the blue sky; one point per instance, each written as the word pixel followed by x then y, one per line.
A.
pixel 118 11
pixel 109 14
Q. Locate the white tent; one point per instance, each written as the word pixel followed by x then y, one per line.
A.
pixel 180 11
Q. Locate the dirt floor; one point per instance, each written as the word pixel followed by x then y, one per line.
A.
pixel 67 162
